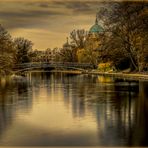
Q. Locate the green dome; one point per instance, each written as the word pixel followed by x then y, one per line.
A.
pixel 96 29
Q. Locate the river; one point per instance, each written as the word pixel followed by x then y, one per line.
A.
pixel 57 109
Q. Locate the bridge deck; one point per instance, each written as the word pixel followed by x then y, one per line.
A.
pixel 29 66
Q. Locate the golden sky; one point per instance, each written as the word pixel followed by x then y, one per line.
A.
pixel 47 23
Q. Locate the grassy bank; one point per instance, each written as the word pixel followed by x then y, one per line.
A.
pixel 132 76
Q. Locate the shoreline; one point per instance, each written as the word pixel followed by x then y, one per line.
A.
pixel 67 71
pixel 131 76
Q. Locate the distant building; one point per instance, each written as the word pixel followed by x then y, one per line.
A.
pixel 66 45
pixel 42 56
pixel 94 36
pixel 96 30
pixel 94 42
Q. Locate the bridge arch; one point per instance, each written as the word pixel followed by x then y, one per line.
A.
pixel 52 65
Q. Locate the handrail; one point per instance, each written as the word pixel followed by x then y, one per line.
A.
pixel 63 63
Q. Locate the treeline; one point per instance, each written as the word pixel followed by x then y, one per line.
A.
pixel 78 48
pixel 12 51
pixel 123 44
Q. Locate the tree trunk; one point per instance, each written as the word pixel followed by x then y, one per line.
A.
pixel 133 63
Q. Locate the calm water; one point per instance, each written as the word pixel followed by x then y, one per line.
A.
pixel 47 109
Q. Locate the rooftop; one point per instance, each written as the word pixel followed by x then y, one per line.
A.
pixel 96 28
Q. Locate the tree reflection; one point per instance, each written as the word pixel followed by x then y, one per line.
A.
pixel 13 95
pixel 140 132
pixel 118 115
pixel 119 108
pixel 115 101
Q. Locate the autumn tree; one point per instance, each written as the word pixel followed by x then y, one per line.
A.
pixel 78 38
pixel 7 52
pixel 126 22
pixel 67 54
pixel 23 49
pixel 87 55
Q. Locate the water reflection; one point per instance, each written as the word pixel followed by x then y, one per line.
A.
pixel 75 110
pixel 140 132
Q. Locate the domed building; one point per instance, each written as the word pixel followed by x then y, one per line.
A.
pixel 96 30
pixel 94 35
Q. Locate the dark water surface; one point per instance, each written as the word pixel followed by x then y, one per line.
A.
pixel 47 109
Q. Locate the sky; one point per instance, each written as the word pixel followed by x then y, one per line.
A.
pixel 47 23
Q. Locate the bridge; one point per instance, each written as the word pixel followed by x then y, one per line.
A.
pixel 51 65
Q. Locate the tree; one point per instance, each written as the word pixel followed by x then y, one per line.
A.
pixel 90 52
pixel 78 38
pixel 7 52
pixel 68 54
pixel 23 49
pixel 55 55
pixel 127 23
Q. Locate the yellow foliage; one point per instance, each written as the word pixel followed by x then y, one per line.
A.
pixel 105 66
pixel 104 79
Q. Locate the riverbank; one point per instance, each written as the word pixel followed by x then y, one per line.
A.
pixel 132 76
pixel 67 71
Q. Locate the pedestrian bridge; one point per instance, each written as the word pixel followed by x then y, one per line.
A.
pixel 51 65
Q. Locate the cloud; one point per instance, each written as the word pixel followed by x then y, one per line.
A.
pixel 15 15
pixel 44 5
pixel 56 17
pixel 79 6
pixel 28 14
